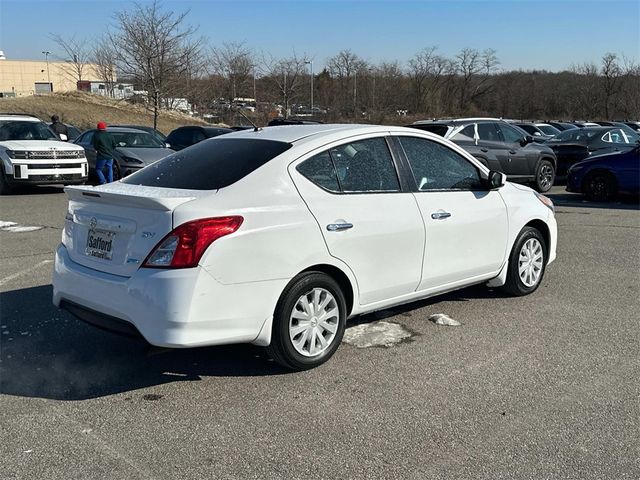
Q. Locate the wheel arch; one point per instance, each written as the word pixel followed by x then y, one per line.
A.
pixel 549 158
pixel 339 276
pixel 543 228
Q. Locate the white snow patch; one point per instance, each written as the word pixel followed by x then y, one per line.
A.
pixel 442 319
pixel 4 224
pixel 375 334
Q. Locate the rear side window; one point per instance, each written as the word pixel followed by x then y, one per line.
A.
pixel 182 136
pixel 356 167
pixel 209 165
pixel 320 170
pixel 487 131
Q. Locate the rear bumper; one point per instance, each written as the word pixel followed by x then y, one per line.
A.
pixel 169 308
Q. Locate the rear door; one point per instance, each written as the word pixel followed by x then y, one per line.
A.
pixel 85 142
pixel 466 224
pixel 490 140
pixel 367 220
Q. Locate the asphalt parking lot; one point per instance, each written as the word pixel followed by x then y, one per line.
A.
pixel 540 387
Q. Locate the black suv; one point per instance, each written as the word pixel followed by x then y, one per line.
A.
pixel 501 147
pixel 183 137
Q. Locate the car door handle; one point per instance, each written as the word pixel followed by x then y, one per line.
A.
pixel 485 150
pixel 440 215
pixel 338 227
pixel 512 152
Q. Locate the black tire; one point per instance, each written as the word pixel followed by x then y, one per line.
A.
pixel 515 285
pixel 5 187
pixel 600 187
pixel 281 348
pixel 116 171
pixel 545 176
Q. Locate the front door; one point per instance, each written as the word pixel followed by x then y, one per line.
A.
pixel 466 224
pixel 366 219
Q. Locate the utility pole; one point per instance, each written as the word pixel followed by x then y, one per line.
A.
pixel 46 54
pixel 355 91
pixel 373 90
pixel 311 65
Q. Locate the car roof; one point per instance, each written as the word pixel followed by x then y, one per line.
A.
pixel 19 116
pixel 295 133
pixel 122 130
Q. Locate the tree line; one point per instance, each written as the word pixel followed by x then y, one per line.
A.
pixel 165 57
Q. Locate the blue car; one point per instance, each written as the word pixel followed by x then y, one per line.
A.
pixel 603 177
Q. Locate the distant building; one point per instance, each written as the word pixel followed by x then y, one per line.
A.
pixel 33 77
pixel 116 90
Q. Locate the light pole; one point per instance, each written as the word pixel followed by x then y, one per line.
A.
pixel 355 91
pixel 373 89
pixel 311 66
pixel 46 58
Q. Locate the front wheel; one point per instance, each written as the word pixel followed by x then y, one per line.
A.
pixel 5 187
pixel 527 263
pixel 309 322
pixel 600 187
pixel 545 176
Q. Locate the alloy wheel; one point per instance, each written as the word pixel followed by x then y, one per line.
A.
pixel 545 176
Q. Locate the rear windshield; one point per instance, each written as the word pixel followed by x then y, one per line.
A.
pixel 210 164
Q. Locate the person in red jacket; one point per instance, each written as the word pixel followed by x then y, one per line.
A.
pixel 104 145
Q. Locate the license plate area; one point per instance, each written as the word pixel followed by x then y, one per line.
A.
pixel 100 244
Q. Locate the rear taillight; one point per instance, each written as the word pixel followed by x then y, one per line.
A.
pixel 185 245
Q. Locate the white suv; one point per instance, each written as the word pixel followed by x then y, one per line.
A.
pixel 31 154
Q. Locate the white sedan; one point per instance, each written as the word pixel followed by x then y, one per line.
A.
pixel 277 236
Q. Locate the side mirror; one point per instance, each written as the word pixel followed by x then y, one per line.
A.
pixel 537 134
pixel 526 140
pixel 496 180
pixel 63 137
pixel 167 145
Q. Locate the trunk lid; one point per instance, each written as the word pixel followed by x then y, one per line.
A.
pixel 112 228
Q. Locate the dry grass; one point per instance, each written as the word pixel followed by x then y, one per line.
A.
pixel 84 110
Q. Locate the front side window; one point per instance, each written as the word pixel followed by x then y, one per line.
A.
pixel 436 167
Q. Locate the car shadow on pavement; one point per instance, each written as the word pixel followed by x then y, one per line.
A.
pixel 47 353
pixel 574 200
pixel 37 190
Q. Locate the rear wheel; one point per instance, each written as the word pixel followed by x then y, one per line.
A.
pixel 309 322
pixel 527 263
pixel 116 171
pixel 545 176
pixel 600 187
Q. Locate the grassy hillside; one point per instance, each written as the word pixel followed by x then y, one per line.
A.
pixel 85 110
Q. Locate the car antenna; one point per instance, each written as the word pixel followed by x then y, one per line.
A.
pixel 255 127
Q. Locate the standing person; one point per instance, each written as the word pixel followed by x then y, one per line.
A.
pixel 59 128
pixel 104 145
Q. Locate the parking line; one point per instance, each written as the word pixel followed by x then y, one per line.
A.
pixel 23 272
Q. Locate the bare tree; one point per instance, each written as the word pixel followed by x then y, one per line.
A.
pixel 586 93
pixel 76 53
pixel 426 72
pixel 345 68
pixel 154 47
pixel 611 75
pixel 475 69
pixel 287 75
pixel 235 63
pixel 105 59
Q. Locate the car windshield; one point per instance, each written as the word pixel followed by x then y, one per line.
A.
pixel 25 130
pixel 136 140
pixel 548 129
pixel 209 165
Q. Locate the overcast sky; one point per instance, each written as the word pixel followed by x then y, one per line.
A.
pixel 526 34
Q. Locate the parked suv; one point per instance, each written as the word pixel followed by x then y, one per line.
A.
pixel 31 154
pixel 500 147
